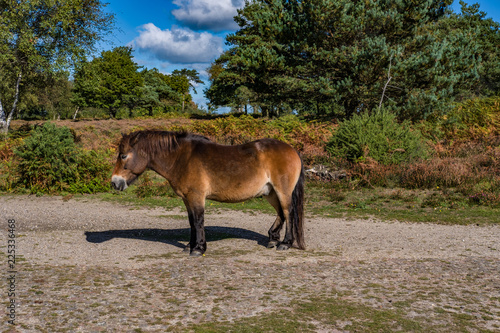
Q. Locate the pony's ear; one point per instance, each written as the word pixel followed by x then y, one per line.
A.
pixel 135 138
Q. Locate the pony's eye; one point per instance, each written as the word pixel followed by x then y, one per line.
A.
pixel 123 156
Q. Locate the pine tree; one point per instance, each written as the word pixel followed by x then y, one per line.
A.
pixel 345 57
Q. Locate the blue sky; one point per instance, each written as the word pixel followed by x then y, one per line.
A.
pixel 179 34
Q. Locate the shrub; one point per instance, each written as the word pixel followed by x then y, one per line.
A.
pixel 377 136
pixel 50 161
pixel 471 120
pixel 479 112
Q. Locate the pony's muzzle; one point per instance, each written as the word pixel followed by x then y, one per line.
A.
pixel 119 183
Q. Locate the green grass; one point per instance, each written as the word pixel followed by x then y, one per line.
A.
pixel 444 206
pixel 249 206
pixel 312 314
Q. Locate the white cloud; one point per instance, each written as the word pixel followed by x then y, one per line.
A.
pixel 215 15
pixel 178 45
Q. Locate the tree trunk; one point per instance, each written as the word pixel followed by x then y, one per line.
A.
pixel 76 112
pixel 3 122
pixel 4 119
pixel 265 111
pixel 112 112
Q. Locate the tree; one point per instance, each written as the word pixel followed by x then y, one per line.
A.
pixel 156 92
pixel 85 86
pixel 222 89
pixel 46 95
pixel 488 38
pixel 39 36
pixel 228 91
pixel 110 81
pixel 181 77
pixel 191 74
pixel 181 84
pixel 337 57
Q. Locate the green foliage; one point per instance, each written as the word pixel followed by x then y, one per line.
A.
pixel 472 117
pixel 110 81
pixel 113 82
pixel 337 57
pixel 47 96
pixel 51 162
pixel 378 136
pixel 191 75
pixel 39 37
pixel 156 92
pixel 488 38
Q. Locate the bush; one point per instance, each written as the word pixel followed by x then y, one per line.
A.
pixel 377 136
pixel 476 119
pixel 51 162
pixel 479 113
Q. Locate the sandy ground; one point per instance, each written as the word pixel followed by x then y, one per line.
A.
pixel 87 265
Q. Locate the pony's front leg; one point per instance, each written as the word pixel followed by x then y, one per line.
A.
pixel 197 243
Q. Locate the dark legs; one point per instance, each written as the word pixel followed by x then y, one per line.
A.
pixel 288 240
pixel 274 232
pixel 196 212
pixel 198 242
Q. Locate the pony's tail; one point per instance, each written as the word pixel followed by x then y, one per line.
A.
pixel 297 211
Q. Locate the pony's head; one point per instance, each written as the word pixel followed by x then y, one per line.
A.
pixel 130 163
pixel 137 150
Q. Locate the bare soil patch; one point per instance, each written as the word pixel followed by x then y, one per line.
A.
pixel 91 266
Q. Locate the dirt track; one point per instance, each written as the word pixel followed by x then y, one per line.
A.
pixel 94 266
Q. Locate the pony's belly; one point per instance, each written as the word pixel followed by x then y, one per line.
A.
pixel 241 194
pixel 265 190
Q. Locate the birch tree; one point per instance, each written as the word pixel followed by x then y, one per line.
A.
pixel 40 36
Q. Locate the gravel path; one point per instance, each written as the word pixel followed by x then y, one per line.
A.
pixel 90 266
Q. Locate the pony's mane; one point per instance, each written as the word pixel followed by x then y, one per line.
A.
pixel 152 142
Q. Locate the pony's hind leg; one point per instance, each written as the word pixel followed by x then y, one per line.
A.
pixel 196 215
pixel 284 203
pixel 274 231
pixel 288 239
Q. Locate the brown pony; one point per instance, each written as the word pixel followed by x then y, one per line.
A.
pixel 199 169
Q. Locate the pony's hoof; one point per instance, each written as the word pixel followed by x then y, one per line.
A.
pixel 283 247
pixel 196 253
pixel 272 244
